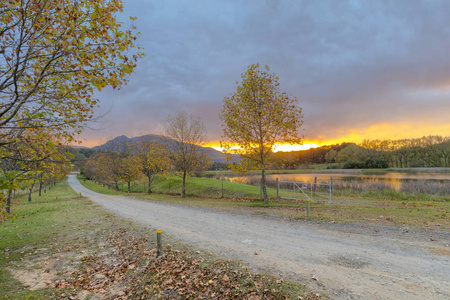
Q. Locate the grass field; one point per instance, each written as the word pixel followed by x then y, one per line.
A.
pixel 196 187
pixel 378 207
pixel 49 223
pixel 64 245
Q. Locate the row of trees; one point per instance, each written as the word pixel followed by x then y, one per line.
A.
pixel 20 171
pixel 256 117
pixel 149 156
pixel 53 54
pixel 427 151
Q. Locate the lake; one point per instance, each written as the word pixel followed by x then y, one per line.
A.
pixel 394 179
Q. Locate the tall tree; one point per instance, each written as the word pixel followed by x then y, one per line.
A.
pixel 256 117
pixel 187 133
pixel 53 54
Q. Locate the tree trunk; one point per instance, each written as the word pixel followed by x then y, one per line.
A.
pixel 263 185
pixel 117 185
pixel 8 202
pixel 183 188
pixel 149 190
pixel 40 187
pixel 129 187
pixel 30 190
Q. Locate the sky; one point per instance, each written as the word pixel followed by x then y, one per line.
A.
pixel 359 69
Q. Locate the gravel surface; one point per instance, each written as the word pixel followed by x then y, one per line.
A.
pixel 347 261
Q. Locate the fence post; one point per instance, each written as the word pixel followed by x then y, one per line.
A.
pixel 315 184
pixel 308 207
pixel 159 252
pixel 278 188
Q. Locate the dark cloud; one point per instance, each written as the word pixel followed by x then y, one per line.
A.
pixel 351 64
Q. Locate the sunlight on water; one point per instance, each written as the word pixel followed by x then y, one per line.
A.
pixel 395 180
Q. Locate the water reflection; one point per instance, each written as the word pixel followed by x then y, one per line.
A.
pixel 393 179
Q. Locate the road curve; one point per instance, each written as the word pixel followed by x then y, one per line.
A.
pixel 345 265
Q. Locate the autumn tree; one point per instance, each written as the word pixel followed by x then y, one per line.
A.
pixel 110 167
pixel 187 133
pixel 152 158
pixel 130 170
pixel 53 56
pixel 258 116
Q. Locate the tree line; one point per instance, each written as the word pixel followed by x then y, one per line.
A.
pixel 427 151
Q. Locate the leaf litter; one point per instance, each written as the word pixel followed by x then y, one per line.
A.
pixel 126 267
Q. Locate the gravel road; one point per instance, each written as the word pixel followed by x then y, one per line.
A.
pixel 347 261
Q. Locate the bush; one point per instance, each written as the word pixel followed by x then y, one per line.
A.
pixel 354 165
pixel 378 163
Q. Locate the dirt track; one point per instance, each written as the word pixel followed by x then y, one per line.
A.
pixel 347 261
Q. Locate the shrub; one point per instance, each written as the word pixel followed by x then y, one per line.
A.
pixel 378 163
pixel 354 165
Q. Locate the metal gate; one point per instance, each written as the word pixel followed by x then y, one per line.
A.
pixel 295 190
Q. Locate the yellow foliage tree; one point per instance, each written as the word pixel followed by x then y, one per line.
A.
pixel 256 117
pixel 152 158
pixel 53 56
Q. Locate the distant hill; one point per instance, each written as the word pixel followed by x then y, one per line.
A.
pixel 117 144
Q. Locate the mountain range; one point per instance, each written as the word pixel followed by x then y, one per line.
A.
pixel 117 142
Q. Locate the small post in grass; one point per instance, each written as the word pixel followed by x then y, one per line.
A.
pixel 278 189
pixel 308 207
pixel 159 252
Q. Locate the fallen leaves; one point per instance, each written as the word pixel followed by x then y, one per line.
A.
pixel 130 263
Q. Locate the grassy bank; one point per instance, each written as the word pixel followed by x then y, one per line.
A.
pixel 195 187
pixel 64 247
pixel 369 206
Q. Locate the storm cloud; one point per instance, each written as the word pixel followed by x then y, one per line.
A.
pixel 358 68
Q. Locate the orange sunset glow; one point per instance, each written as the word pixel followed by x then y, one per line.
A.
pixel 392 131
pixel 384 131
